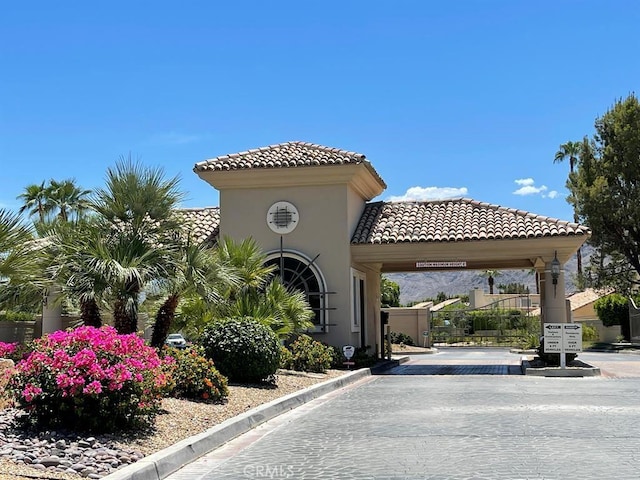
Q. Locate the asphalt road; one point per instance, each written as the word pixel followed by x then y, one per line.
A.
pixel 411 425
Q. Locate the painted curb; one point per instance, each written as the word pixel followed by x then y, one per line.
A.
pixel 163 463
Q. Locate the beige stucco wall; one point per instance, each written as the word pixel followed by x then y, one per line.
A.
pixel 410 321
pixel 327 213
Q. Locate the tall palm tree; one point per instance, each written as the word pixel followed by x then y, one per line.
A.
pixel 34 199
pixel 571 151
pixel 490 276
pixel 69 200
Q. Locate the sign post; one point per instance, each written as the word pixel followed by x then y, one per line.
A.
pixel 562 338
pixel 348 351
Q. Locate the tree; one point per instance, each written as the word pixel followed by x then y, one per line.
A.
pixel 605 193
pixel 140 246
pixel 613 309
pixel 200 272
pixel 20 264
pixel 389 293
pixel 571 151
pixel 490 276
pixel 34 200
pixel 66 200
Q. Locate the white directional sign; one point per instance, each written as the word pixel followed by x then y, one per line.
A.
pixel 553 337
pixel 572 337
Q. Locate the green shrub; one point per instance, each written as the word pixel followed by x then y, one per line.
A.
pixel 10 316
pixel 399 337
pixel 589 333
pixel 309 355
pixel 195 376
pixel 242 349
pixel 612 309
pixel 286 358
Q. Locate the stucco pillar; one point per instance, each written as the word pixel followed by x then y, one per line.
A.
pixel 51 311
pixel 555 310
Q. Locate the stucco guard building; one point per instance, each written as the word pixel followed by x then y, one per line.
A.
pixel 310 207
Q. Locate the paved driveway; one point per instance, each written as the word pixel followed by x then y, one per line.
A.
pixel 450 427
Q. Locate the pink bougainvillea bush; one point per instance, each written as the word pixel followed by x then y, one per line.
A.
pixel 90 379
pixel 13 351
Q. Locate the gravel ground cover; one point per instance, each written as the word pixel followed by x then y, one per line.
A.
pixel 179 419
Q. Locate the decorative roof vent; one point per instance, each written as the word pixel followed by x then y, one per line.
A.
pixel 282 217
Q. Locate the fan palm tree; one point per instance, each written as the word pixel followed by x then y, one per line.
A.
pixel 21 282
pixel 137 206
pixel 571 151
pixel 69 200
pixel 34 200
pixel 199 272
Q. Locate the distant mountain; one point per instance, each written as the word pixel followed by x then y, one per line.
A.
pixel 417 286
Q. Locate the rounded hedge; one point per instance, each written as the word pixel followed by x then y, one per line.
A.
pixel 242 349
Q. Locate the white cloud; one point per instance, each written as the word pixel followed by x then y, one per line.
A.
pixel 525 181
pixel 552 194
pixel 429 193
pixel 528 187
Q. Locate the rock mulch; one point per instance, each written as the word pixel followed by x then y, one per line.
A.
pixel 60 455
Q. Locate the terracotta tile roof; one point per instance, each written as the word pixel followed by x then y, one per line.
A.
pixel 202 223
pixel 286 155
pixel 580 299
pixel 454 221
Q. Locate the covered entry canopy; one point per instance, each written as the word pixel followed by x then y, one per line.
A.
pixel 460 234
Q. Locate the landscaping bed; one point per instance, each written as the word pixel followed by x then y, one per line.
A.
pixel 180 419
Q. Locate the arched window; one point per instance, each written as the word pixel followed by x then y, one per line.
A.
pixel 302 274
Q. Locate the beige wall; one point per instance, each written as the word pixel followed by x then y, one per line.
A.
pixel 411 321
pixel 326 215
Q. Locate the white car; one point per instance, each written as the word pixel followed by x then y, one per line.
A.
pixel 176 340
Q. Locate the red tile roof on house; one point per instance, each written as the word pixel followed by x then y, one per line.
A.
pixel 453 221
pixel 203 224
pixel 287 155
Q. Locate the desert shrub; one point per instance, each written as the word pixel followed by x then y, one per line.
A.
pixel 399 337
pixel 90 379
pixel 286 358
pixel 195 376
pixel 309 355
pixel 243 349
pixel 589 333
pixel 529 340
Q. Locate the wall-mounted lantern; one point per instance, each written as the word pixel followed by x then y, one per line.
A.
pixel 555 271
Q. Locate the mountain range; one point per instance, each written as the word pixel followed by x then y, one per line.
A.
pixel 418 286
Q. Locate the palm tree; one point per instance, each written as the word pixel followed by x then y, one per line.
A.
pixel 73 249
pixel 140 247
pixel 571 151
pixel 490 276
pixel 34 200
pixel 20 263
pixel 200 272
pixel 69 200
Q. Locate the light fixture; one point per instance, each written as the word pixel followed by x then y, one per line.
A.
pixel 555 271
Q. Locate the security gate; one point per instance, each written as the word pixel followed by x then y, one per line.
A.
pixel 507 322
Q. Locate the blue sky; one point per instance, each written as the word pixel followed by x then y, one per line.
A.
pixel 460 98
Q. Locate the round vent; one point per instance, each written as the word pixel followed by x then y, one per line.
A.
pixel 282 217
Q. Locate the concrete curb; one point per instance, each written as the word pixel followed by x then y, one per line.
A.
pixel 588 371
pixel 165 462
